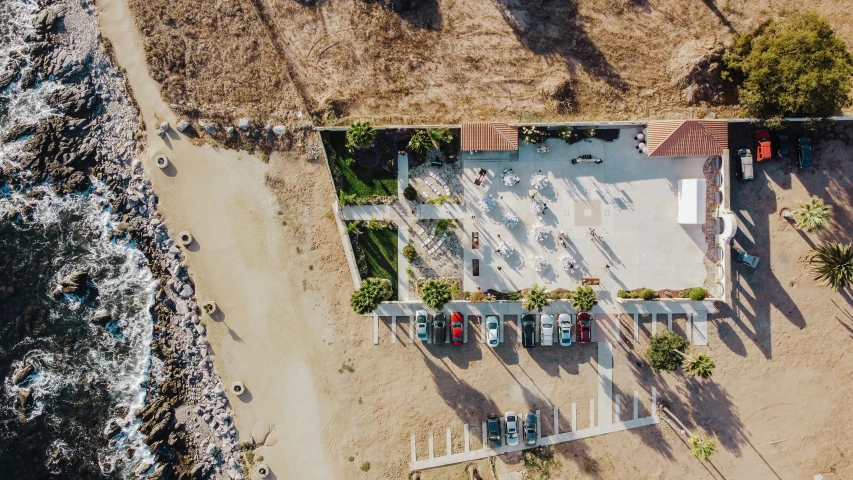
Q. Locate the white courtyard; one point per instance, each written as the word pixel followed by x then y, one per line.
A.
pixel 630 200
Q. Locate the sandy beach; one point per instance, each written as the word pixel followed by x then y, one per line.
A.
pixel 263 333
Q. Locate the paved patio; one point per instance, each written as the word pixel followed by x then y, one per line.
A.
pixel 630 200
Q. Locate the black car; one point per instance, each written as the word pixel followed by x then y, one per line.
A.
pixel 528 331
pixel 783 150
pixel 439 328
pixel 804 147
pixel 493 426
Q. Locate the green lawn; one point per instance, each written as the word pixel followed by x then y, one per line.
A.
pixel 380 250
pixel 359 181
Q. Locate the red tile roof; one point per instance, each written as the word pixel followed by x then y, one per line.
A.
pixel 687 138
pixel 489 136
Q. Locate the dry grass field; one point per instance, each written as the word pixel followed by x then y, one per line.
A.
pixel 452 60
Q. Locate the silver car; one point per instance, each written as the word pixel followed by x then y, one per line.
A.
pixel 492 330
pixel 421 320
pixel 511 422
pixel 546 330
pixel 565 321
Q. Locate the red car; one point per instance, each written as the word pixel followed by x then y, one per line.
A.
pixel 584 324
pixel 763 148
pixel 456 333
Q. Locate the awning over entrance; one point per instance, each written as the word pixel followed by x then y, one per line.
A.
pixel 691 201
pixel 489 136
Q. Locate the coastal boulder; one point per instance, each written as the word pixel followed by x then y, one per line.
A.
pixel 22 403
pixel 101 319
pixel 22 374
pixel 75 283
pixel 182 125
pixel 47 19
pixel 244 123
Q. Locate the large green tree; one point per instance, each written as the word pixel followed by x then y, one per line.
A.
pixel 665 351
pixel 792 68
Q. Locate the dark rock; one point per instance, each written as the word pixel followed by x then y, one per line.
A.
pixel 121 411
pixel 113 428
pixel 75 283
pixel 159 432
pixel 25 396
pixel 17 131
pixel 101 318
pixel 23 373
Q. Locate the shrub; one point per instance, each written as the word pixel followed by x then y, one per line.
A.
pixel 409 252
pixel 832 265
pixel 697 294
pixel 365 466
pixel 410 194
pixel 811 215
pixel 796 67
pixel 532 135
pixel 584 298
pixel 439 136
pixel 477 297
pixel 536 298
pixel 360 135
pixel 435 293
pixel 662 354
pixel 348 161
pixel 647 294
pixel 569 135
pixel 370 294
pixel 443 225
pixel 515 296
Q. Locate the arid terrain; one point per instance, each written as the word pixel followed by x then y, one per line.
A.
pixel 455 60
pixel 269 250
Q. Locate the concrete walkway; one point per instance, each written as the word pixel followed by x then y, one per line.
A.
pixel 402 176
pixel 402 263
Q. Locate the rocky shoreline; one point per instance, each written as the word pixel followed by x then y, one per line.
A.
pixel 186 421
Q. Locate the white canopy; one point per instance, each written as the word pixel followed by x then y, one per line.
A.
pixel 691 201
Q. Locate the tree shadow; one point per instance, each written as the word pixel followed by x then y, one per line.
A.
pixel 716 11
pixel 417 13
pixel 554 28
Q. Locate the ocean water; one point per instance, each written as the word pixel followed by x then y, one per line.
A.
pixel 84 371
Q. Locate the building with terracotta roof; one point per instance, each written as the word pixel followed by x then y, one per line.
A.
pixel 687 138
pixel 484 136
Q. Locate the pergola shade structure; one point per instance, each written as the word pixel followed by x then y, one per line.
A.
pixel 489 137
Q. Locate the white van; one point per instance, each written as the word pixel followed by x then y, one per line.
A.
pixel 546 333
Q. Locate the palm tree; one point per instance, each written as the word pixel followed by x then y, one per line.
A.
pixel 832 264
pixel 813 214
pixel 536 299
pixel 584 299
pixel 701 365
pixel 701 447
pixel 420 142
pixel 360 135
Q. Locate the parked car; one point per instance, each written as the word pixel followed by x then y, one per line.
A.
pixel 439 328
pixel 565 321
pixel 783 150
pixel 804 148
pixel 530 429
pixel 421 319
pixel 584 333
pixel 745 164
pixel 492 325
pixel 493 426
pixel 762 148
pixel 746 258
pixel 528 331
pixel 546 329
pixel 511 426
pixel 456 333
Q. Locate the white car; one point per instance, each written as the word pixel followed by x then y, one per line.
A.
pixel 565 321
pixel 492 330
pixel 421 319
pixel 546 330
pixel 511 423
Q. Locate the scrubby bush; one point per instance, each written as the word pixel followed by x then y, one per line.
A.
pixel 532 135
pixel 647 294
pixel 439 136
pixel 435 293
pixel 696 294
pixel 514 296
pixel 370 294
pixel 420 142
pixel 477 297
pixel 662 354
pixel 409 252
